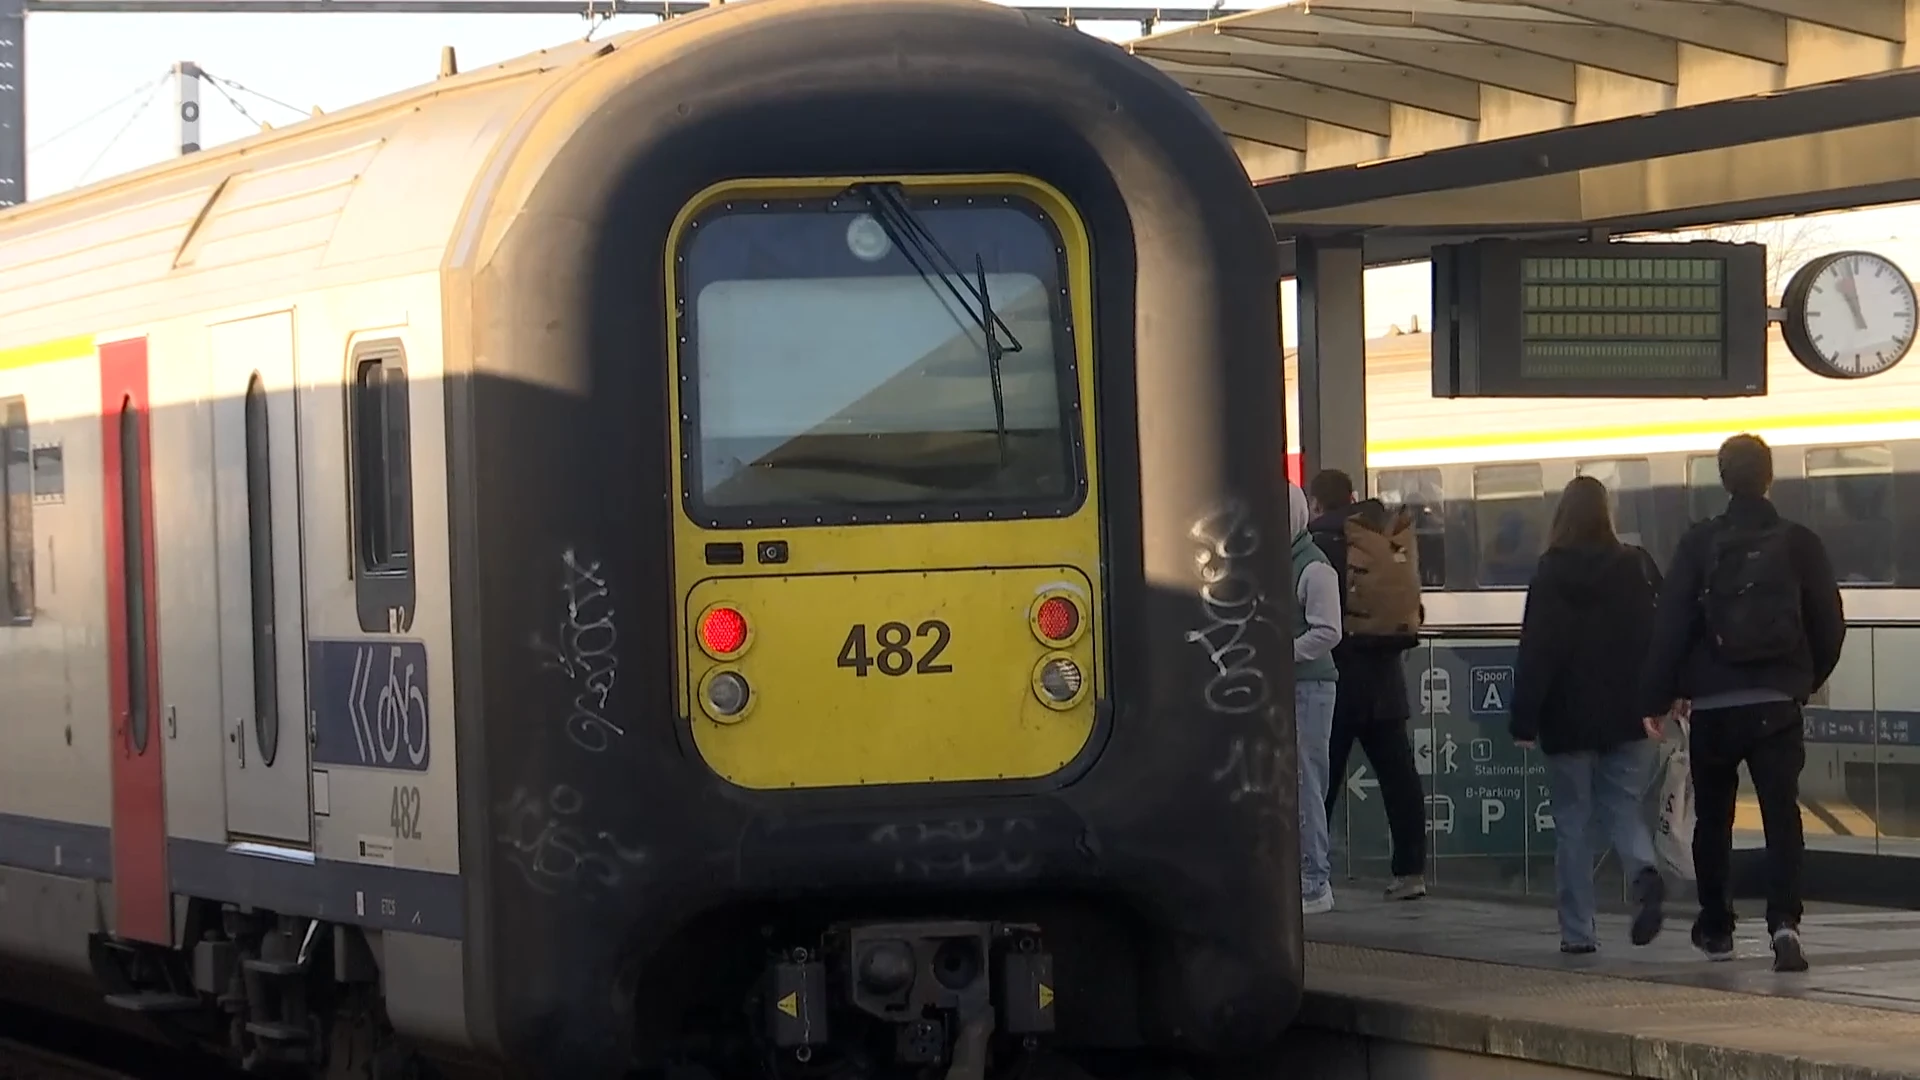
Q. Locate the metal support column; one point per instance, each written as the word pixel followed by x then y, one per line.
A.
pixel 1333 357
pixel 186 104
pixel 13 102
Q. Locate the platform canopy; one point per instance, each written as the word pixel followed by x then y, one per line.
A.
pixel 1486 115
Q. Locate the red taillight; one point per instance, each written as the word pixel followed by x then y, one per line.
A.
pixel 723 631
pixel 1057 618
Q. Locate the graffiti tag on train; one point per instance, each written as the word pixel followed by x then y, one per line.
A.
pixel 369 702
pixel 1233 604
pixel 553 847
pixel 964 848
pixel 584 649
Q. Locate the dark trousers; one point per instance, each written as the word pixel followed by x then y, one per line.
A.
pixel 1355 719
pixel 1769 740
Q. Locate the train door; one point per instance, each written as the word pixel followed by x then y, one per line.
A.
pixel 142 901
pixel 263 665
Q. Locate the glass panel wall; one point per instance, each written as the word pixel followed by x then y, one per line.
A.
pixel 1489 826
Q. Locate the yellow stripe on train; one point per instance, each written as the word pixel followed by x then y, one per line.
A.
pixel 47 352
pixel 1705 431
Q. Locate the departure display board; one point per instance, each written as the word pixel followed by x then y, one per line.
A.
pixel 1519 319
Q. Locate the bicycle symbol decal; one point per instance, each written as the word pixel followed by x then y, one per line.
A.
pixel 370 704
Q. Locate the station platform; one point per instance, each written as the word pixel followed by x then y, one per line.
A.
pixel 1445 988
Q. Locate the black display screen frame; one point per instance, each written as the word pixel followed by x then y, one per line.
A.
pixel 1479 339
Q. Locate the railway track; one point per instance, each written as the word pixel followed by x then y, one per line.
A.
pixel 24 1061
pixel 37 1046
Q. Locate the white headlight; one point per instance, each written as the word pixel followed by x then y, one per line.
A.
pixel 867 239
pixel 727 694
pixel 1060 679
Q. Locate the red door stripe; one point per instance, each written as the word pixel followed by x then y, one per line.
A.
pixel 141 898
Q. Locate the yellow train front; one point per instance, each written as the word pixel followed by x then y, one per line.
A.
pixel 872 568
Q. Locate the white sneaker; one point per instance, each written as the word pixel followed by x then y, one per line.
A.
pixel 1407 888
pixel 1317 905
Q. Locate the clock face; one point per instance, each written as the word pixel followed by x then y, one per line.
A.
pixel 1858 314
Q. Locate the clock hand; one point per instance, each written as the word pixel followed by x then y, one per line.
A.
pixel 1850 291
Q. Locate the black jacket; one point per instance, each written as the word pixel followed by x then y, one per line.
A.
pixel 1589 617
pixel 1681 663
pixel 1372 680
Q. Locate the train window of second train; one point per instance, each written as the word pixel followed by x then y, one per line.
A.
pixel 1510 523
pixel 1420 492
pixel 1850 504
pixel 831 372
pixel 1705 497
pixel 382 460
pixel 16 511
pixel 1629 483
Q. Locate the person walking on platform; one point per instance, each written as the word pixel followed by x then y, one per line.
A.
pixel 1750 626
pixel 1377 567
pixel 1589 618
pixel 1316 630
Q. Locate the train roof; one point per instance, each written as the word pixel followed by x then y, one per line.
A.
pixel 338 196
pixel 423 180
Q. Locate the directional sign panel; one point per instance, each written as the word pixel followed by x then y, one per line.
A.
pixel 1485 797
pixel 1496 792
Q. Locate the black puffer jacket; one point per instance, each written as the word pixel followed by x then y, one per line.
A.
pixel 1681 662
pixel 1589 619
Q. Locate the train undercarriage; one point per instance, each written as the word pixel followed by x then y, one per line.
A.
pixel 272 995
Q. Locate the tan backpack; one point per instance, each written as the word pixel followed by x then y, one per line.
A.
pixel 1383 575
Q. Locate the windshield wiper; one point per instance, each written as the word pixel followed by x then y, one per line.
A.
pixel 923 252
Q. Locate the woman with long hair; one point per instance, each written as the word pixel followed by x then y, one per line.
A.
pixel 1588 622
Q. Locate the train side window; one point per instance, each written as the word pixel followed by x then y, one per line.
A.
pixel 379 440
pixel 49 473
pixel 1510 517
pixel 133 568
pixel 1420 492
pixel 16 512
pixel 1705 497
pixel 1849 492
pixel 266 667
pixel 1629 483
pixel 382 461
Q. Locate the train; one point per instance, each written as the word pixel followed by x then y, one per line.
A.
pixel 1481 479
pixel 741 548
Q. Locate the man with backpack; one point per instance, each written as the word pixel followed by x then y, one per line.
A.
pixel 1749 626
pixel 1376 561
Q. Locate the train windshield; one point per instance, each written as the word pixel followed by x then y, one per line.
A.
pixel 839 353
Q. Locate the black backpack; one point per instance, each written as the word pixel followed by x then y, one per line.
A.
pixel 1752 595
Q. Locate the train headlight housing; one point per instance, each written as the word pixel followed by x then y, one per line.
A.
pixel 1059 682
pixel 725 695
pixel 723 632
pixel 1056 619
pixel 868 239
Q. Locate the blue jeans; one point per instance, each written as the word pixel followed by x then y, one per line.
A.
pixel 1596 796
pixel 1313 724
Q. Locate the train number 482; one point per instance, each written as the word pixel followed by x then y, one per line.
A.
pixel 891 651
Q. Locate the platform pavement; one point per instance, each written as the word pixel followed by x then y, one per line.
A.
pixel 1487 979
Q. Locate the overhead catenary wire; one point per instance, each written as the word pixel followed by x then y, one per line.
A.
pixel 231 100
pixel 145 87
pixel 124 128
pixel 223 84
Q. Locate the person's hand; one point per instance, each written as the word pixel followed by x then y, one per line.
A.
pixel 1656 727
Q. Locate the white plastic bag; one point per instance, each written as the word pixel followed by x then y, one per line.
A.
pixel 1674 813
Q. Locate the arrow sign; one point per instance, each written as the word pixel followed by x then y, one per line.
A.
pixel 1358 783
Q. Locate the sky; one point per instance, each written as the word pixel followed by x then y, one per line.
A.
pixel 87 76
pixel 81 70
